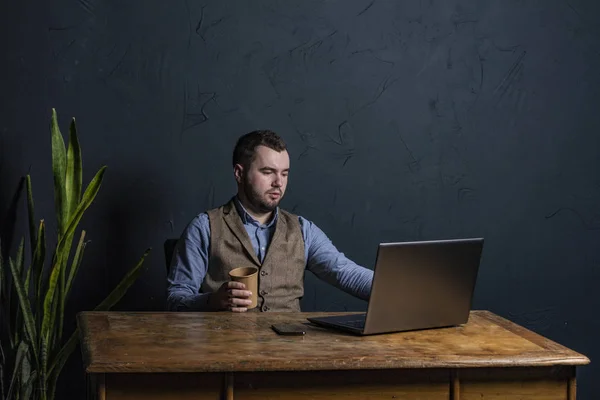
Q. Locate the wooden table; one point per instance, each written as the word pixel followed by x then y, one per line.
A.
pixel 224 355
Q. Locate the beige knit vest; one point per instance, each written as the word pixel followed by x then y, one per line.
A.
pixel 281 275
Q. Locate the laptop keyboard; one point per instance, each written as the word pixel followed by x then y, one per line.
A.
pixel 355 323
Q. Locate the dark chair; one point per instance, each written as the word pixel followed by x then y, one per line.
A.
pixel 169 247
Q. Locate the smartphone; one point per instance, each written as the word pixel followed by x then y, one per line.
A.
pixel 289 329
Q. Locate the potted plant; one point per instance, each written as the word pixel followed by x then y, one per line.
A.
pixel 34 289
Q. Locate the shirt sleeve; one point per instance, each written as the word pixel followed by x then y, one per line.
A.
pixel 188 268
pixel 332 266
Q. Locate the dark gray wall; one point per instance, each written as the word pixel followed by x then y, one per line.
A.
pixel 405 121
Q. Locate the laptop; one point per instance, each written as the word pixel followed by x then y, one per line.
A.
pixel 416 285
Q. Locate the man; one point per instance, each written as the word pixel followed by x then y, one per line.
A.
pixel 252 230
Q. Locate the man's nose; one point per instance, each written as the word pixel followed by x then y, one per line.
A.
pixel 278 181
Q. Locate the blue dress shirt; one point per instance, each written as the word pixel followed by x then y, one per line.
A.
pixel 190 260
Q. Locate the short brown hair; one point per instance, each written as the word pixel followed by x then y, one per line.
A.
pixel 244 150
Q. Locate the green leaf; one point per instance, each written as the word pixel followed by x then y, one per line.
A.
pixel 61 307
pixel 88 197
pixel 18 327
pixel 63 355
pixel 20 257
pixel 5 302
pixel 120 290
pixel 53 338
pixel 43 374
pixel 27 280
pixel 73 181
pixel 39 256
pixel 25 369
pixel 86 201
pixel 39 253
pixel 59 161
pixel 110 300
pixel 19 265
pixel 62 292
pixel 49 300
pixel 76 262
pixel 30 213
pixel 21 353
pixel 74 171
pixel 28 388
pixel 25 308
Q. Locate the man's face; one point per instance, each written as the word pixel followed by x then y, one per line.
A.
pixel 265 180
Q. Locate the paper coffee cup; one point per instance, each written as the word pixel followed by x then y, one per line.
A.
pixel 249 277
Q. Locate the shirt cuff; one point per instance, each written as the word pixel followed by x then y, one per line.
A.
pixel 197 302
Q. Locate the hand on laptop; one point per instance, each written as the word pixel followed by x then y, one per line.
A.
pixel 231 296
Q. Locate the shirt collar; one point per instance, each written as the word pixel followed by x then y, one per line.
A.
pixel 248 219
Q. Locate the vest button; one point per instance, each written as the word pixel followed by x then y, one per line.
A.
pixel 263 292
pixel 265 308
pixel 263 273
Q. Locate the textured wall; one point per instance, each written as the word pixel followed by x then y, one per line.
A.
pixel 405 120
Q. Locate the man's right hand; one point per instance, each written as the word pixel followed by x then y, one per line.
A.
pixel 231 296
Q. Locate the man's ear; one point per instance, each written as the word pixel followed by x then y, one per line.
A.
pixel 238 172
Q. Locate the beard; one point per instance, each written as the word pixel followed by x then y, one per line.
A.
pixel 258 200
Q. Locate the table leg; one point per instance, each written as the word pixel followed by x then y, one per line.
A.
pixel 228 391
pixel 455 386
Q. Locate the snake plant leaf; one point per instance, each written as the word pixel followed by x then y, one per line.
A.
pixel 20 257
pixel 43 366
pixel 19 266
pixel 30 214
pixel 8 221
pixel 27 280
pixel 73 179
pixel 60 256
pixel 62 357
pixel 53 338
pixel 28 388
pixel 25 308
pixel 74 171
pixel 5 299
pixel 49 305
pixel 62 280
pixel 76 262
pixel 64 246
pixel 25 369
pixel 59 161
pixel 120 290
pixel 59 310
pixel 88 197
pixel 110 300
pixel 52 387
pixel 64 353
pixel 21 353
pixel 39 255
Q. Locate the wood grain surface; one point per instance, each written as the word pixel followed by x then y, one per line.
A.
pixel 228 342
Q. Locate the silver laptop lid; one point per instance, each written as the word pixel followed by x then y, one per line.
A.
pixel 419 285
